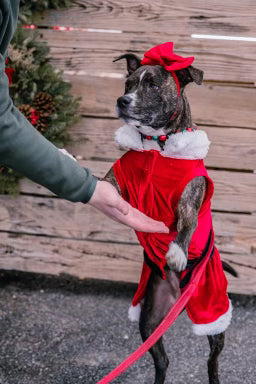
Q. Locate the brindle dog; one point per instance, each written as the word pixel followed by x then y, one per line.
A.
pixel 150 99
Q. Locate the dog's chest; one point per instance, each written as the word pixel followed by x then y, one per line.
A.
pixel 148 173
pixel 150 144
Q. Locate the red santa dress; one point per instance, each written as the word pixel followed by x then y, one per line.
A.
pixel 152 181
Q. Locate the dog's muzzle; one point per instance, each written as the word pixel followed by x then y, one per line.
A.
pixel 123 102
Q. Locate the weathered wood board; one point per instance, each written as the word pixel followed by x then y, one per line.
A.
pixel 231 148
pixel 94 53
pixel 230 187
pixel 86 259
pixel 211 104
pixel 215 17
pixel 52 217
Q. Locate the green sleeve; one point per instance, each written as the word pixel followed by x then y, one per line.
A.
pixel 24 149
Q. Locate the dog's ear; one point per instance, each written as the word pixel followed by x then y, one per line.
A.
pixel 133 62
pixel 189 74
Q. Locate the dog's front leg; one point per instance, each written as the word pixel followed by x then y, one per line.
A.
pixel 187 211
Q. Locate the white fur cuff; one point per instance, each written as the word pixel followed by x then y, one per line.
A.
pixel 217 326
pixel 134 312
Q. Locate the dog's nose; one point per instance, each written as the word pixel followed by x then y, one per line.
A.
pixel 123 101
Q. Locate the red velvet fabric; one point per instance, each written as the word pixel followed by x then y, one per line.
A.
pixel 153 184
pixel 163 55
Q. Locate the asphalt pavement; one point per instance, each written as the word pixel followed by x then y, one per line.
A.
pixel 67 331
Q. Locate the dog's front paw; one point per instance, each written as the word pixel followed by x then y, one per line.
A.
pixel 176 258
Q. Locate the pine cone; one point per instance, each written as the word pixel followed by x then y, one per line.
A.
pixel 40 123
pixel 44 104
pixel 26 109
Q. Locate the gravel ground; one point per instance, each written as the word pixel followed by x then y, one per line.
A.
pixel 66 331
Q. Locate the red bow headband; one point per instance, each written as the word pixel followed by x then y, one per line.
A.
pixel 163 55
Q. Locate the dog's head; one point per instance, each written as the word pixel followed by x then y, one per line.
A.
pixel 151 95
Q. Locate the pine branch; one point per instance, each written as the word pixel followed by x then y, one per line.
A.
pixel 37 87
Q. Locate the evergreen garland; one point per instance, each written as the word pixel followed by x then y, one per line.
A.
pixel 31 9
pixel 33 74
pixel 37 88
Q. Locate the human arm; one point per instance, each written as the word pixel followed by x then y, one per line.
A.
pixel 25 150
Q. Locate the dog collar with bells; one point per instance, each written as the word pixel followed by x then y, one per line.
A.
pixel 163 138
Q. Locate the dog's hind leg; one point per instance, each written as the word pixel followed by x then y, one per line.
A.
pixel 160 296
pixel 216 344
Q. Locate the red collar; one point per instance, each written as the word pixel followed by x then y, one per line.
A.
pixel 165 137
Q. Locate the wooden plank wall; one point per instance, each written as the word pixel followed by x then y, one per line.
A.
pixel 41 233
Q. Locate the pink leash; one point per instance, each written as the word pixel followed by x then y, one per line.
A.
pixel 166 323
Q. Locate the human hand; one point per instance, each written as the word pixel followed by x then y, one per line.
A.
pixel 106 199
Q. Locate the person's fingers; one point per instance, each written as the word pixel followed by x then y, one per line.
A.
pixel 143 223
pixel 139 221
pixel 107 200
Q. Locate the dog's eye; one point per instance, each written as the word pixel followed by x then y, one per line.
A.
pixel 128 87
pixel 155 86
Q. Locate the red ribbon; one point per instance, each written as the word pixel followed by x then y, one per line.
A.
pixel 34 116
pixel 163 55
pixel 9 72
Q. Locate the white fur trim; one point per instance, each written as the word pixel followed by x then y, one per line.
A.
pixel 183 145
pixel 187 145
pixel 176 258
pixel 129 138
pixel 134 312
pixel 217 326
